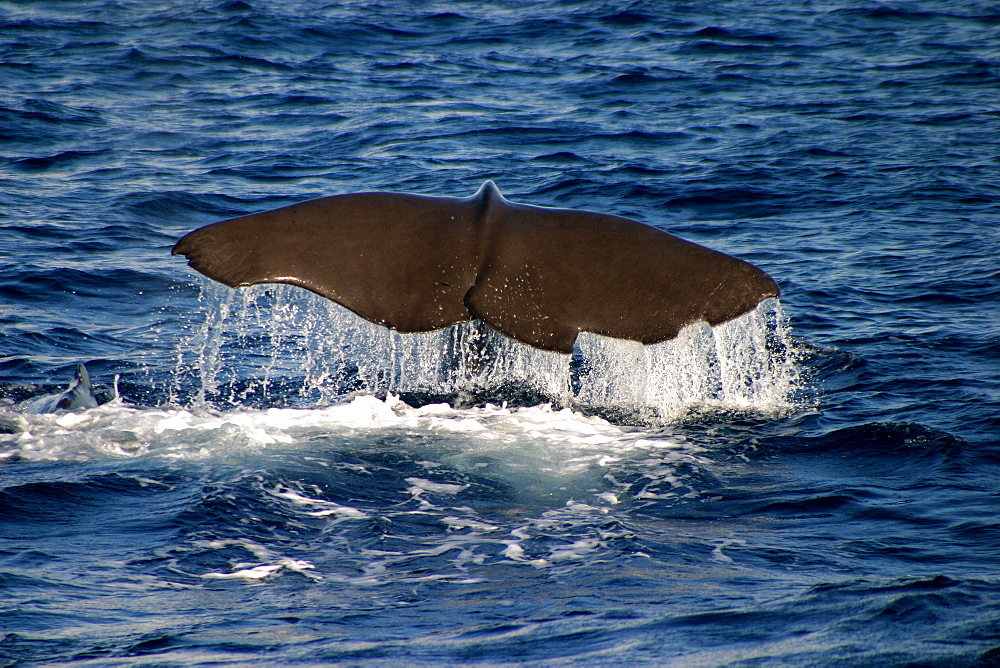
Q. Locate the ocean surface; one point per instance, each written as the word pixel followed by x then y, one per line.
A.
pixel 271 480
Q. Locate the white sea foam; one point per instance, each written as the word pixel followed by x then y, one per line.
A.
pixel 266 562
pixel 570 471
pixel 568 440
pixel 419 486
pixel 318 507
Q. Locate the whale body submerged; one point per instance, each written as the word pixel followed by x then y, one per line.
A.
pixel 79 395
pixel 539 275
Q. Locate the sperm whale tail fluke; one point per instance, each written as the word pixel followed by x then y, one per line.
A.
pixel 539 275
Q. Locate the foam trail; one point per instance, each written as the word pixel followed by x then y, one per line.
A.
pixel 574 468
pixel 275 333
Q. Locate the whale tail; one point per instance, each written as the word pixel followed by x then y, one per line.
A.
pixel 538 275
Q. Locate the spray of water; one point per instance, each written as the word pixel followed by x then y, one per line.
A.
pixel 279 344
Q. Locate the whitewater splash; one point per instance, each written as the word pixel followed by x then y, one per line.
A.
pixel 295 348
pixel 342 469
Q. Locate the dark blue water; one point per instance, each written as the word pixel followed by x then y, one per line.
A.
pixel 258 494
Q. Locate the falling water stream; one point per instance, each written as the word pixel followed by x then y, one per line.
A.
pixel 309 348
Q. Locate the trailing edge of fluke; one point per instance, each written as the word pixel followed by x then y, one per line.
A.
pixel 541 276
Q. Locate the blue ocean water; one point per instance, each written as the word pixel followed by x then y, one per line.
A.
pixel 278 483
